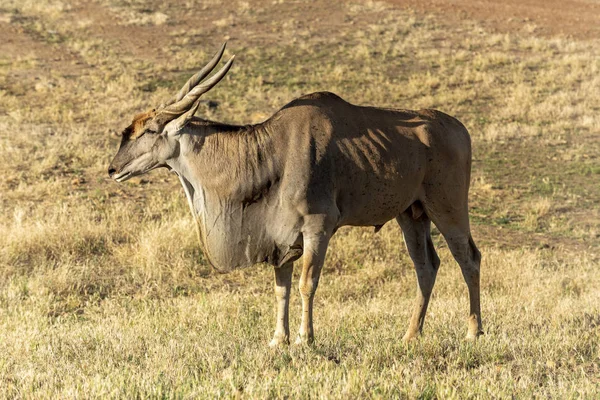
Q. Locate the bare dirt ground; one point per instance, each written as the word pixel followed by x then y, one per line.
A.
pixel 577 18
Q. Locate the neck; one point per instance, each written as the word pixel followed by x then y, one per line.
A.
pixel 232 161
pixel 224 170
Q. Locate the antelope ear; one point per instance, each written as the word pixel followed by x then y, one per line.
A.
pixel 175 126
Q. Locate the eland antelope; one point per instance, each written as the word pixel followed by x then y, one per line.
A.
pixel 278 190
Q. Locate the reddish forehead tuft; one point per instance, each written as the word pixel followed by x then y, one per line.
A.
pixel 136 128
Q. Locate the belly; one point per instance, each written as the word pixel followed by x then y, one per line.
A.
pixel 376 202
pixel 379 186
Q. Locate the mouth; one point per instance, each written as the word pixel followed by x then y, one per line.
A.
pixel 123 176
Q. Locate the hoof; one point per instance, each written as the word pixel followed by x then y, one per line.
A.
pixel 408 339
pixel 279 342
pixel 410 336
pixel 472 336
pixel 303 341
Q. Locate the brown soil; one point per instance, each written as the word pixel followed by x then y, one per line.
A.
pixel 579 19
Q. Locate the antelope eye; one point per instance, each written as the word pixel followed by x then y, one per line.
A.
pixel 150 131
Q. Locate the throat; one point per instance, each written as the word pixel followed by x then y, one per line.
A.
pixel 192 195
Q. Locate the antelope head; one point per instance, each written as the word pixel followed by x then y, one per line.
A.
pixel 153 137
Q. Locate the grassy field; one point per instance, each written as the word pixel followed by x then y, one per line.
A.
pixel 104 292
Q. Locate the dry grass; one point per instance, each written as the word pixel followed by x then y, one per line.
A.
pixel 104 293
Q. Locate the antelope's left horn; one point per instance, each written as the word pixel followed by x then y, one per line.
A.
pixel 197 77
pixel 193 95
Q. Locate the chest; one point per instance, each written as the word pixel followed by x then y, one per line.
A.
pixel 238 234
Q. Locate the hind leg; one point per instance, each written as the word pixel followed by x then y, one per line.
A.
pixel 420 248
pixel 469 258
pixel 456 231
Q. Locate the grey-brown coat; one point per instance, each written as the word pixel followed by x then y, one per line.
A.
pixel 278 190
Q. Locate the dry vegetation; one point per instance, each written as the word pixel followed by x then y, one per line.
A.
pixel 103 292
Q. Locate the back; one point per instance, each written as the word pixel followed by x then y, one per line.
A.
pixel 353 157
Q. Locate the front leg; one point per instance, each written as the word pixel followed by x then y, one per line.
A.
pixel 315 247
pixel 283 284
